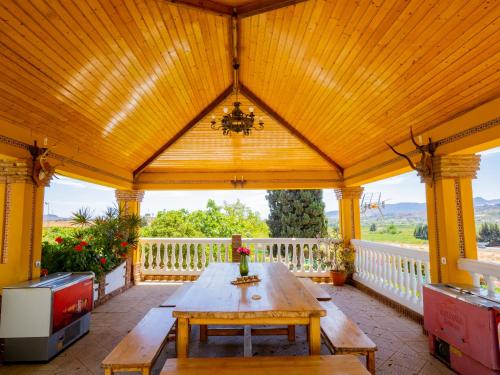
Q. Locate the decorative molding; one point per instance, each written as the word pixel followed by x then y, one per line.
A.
pixel 436 234
pixel 129 195
pixel 460 218
pixel 444 141
pixel 31 232
pixel 5 228
pixel 455 166
pixel 352 192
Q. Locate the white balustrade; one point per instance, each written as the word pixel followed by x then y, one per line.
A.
pixel 190 256
pixel 483 273
pixel 396 272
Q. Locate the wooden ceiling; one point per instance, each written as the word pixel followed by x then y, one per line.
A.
pixel 132 80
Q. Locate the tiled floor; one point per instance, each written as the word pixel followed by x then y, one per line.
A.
pixel 402 346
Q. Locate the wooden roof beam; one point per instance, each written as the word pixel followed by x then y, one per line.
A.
pixel 205 5
pixel 206 111
pixel 263 6
pixel 263 106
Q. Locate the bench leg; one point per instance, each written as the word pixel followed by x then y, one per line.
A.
pixel 182 337
pixel 204 333
pixel 370 362
pixel 291 333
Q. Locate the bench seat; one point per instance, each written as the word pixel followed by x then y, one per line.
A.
pixel 315 289
pixel 140 348
pixel 318 365
pixel 177 296
pixel 342 336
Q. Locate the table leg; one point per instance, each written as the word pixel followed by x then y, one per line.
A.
pixel 291 333
pixel 203 333
pixel 182 337
pixel 314 336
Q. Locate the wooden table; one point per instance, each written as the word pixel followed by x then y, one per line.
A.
pixel 213 300
pixel 318 365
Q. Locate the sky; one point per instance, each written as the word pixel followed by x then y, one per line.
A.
pixel 66 195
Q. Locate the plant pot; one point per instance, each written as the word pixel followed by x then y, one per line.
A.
pixel 338 277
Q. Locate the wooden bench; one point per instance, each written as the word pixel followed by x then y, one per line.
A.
pixel 342 336
pixel 315 289
pixel 177 296
pixel 320 365
pixel 141 347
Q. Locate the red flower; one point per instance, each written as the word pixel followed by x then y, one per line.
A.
pixel 84 243
pixel 103 260
pixel 59 240
pixel 44 272
pixel 78 247
pixel 243 251
pixel 124 255
pixel 124 244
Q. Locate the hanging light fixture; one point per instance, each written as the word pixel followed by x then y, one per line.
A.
pixel 237 121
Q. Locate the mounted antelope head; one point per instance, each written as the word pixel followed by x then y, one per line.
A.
pixel 424 165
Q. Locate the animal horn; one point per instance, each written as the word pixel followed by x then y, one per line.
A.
pixel 413 138
pixel 402 155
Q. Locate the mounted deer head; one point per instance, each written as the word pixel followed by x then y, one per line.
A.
pixel 42 170
pixel 424 165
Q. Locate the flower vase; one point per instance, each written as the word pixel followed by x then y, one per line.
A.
pixel 243 265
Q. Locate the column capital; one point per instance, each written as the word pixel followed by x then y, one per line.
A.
pixel 455 166
pixel 351 192
pixel 129 195
pixel 17 170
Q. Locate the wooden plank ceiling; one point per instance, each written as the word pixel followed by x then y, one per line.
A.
pixel 121 78
pixel 281 152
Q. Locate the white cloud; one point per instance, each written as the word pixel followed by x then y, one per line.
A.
pixel 491 151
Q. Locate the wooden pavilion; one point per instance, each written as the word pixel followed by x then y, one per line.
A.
pixel 121 93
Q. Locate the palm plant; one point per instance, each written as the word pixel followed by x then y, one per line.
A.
pixel 82 217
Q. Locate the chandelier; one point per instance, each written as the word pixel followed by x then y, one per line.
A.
pixel 237 121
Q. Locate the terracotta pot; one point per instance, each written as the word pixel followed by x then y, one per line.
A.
pixel 338 277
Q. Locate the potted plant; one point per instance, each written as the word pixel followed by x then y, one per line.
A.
pixel 336 258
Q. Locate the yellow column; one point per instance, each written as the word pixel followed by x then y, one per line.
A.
pixel 129 203
pixel 349 215
pixel 21 219
pixel 450 216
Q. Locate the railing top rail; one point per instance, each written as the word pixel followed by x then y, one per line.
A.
pixel 480 267
pixel 289 240
pixel 393 250
pixel 183 239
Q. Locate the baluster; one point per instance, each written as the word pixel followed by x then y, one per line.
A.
pixel 204 255
pixel 211 252
pixel 400 276
pixel 476 279
pixel 407 279
pixel 376 261
pixel 491 281
pixel 219 251
pixel 294 257
pixel 181 256
pixel 413 281
pixel 196 256
pixel 144 246
pixel 310 249
pixel 302 258
pixel 383 259
pixel 427 276
pixel 287 261
pixel 229 248
pixel 371 257
pixel 390 272
pixel 419 284
pixel 361 252
pixel 188 257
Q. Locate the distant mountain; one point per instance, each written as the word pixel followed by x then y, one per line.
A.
pixel 413 211
pixel 52 217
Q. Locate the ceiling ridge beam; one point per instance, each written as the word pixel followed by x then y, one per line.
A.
pixel 205 5
pixel 271 112
pixel 206 111
pixel 263 6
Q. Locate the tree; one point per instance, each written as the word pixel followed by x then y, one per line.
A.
pixel 296 213
pixel 421 231
pixel 214 221
pixel 490 233
pixel 373 227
